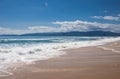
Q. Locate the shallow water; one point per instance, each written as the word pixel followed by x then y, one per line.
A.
pixel 31 48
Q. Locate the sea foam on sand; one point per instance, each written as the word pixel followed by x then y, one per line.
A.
pixel 32 52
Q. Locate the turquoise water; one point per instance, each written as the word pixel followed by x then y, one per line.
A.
pixel 42 39
pixel 20 48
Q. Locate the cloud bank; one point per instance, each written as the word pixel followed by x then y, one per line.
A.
pixel 79 25
pixel 65 26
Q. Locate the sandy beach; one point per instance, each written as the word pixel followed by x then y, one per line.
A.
pixel 100 62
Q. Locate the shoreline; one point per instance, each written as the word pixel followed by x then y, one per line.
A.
pixel 80 63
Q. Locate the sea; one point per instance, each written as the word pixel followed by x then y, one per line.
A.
pixel 26 49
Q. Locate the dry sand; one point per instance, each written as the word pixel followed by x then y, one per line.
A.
pixel 101 62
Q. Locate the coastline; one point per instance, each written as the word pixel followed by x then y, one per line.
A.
pixel 96 62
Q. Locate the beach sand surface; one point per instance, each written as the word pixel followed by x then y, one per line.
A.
pixel 98 62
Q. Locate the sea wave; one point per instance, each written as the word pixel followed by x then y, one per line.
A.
pixel 45 40
pixel 41 51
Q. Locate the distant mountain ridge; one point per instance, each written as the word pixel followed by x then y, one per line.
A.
pixel 75 33
pixel 72 33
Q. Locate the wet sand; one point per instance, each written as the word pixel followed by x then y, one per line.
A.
pixel 100 62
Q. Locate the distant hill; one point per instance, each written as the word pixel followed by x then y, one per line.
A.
pixel 75 33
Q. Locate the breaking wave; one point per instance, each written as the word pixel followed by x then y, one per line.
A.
pixel 29 50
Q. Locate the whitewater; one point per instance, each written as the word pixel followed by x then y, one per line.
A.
pixel 26 49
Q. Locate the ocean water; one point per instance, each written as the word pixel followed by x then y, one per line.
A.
pixel 14 49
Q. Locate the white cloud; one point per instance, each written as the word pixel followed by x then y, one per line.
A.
pixel 79 25
pixel 9 31
pixel 32 29
pixel 65 26
pixel 115 18
pixel 111 18
pixel 46 4
pixel 97 17
pixel 40 29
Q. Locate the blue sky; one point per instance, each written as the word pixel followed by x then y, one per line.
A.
pixel 24 16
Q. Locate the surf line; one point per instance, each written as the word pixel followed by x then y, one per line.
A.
pixel 6 73
pixel 105 48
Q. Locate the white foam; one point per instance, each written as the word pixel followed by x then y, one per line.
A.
pixel 32 52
